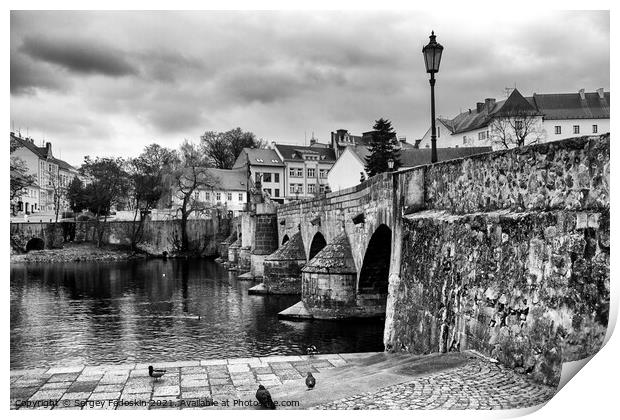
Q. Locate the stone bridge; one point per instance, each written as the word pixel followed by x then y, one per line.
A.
pixel 506 253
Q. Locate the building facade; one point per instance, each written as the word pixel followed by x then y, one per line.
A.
pixel 546 117
pixel 306 170
pixel 52 177
pixel 227 191
pixel 266 168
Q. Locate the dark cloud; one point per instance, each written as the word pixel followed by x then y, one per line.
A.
pixel 78 55
pixel 112 82
pixel 27 76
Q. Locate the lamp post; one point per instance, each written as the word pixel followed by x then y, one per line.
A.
pixel 391 164
pixel 432 57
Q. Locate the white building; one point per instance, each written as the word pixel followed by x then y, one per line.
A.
pixel 553 116
pixel 306 169
pixel 267 168
pixel 51 174
pixel 228 190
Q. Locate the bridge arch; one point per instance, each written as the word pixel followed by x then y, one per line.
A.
pixel 35 244
pixel 317 244
pixel 374 275
pixel 285 239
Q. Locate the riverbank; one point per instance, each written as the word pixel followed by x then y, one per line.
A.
pixel 77 252
pixel 344 381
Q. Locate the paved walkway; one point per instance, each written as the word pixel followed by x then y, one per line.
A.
pixel 453 381
pixel 477 385
pixel 223 383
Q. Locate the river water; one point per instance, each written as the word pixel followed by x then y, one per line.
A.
pixel 141 311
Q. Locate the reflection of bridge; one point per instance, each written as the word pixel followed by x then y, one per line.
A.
pixel 471 253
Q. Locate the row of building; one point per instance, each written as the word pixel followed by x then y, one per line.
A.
pixel 287 172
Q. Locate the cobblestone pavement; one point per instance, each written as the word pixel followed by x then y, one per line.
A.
pixel 477 385
pixel 186 385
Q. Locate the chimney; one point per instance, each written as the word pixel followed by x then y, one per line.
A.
pixel 601 93
pixel 582 94
pixel 341 132
pixel 312 141
pixel 48 149
pixel 490 103
pixel 273 145
pixel 479 107
pixel 470 110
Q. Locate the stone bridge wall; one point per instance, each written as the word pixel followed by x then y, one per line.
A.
pixel 331 214
pixel 159 236
pixel 506 253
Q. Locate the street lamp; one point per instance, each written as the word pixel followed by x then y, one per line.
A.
pixel 432 57
pixel 391 164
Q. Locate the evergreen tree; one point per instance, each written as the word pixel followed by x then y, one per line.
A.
pixel 382 148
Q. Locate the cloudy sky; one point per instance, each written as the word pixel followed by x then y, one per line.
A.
pixel 109 83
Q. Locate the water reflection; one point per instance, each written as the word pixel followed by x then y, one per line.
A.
pixel 95 313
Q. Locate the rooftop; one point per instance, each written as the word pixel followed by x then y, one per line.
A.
pixel 552 106
pixel 416 157
pixel 258 157
pixel 291 152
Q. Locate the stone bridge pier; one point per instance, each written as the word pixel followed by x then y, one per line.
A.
pixel 345 239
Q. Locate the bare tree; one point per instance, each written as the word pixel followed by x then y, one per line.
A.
pixel 146 175
pixel 190 177
pixel 58 191
pixel 223 148
pixel 522 128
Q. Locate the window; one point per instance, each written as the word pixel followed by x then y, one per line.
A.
pixel 292 188
pixel 575 129
pixel 276 192
pixel 311 173
pixel 257 177
pixel 291 172
pixel 196 196
pixel 267 177
pixel 229 196
pixel 558 129
pixel 218 196
pixel 595 128
pixel 464 139
pixel 276 178
pixel 300 172
pixel 322 173
pixel 321 189
pixel 311 188
pixel 518 125
pixel 482 135
pixel 438 132
pixel 240 196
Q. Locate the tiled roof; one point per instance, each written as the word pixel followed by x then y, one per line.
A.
pixel 552 106
pixel 559 106
pixel 290 152
pixel 416 157
pixel 258 157
pixel 229 179
pixel 41 152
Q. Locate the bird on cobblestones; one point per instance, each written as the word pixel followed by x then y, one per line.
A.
pixel 264 398
pixel 310 381
pixel 156 373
